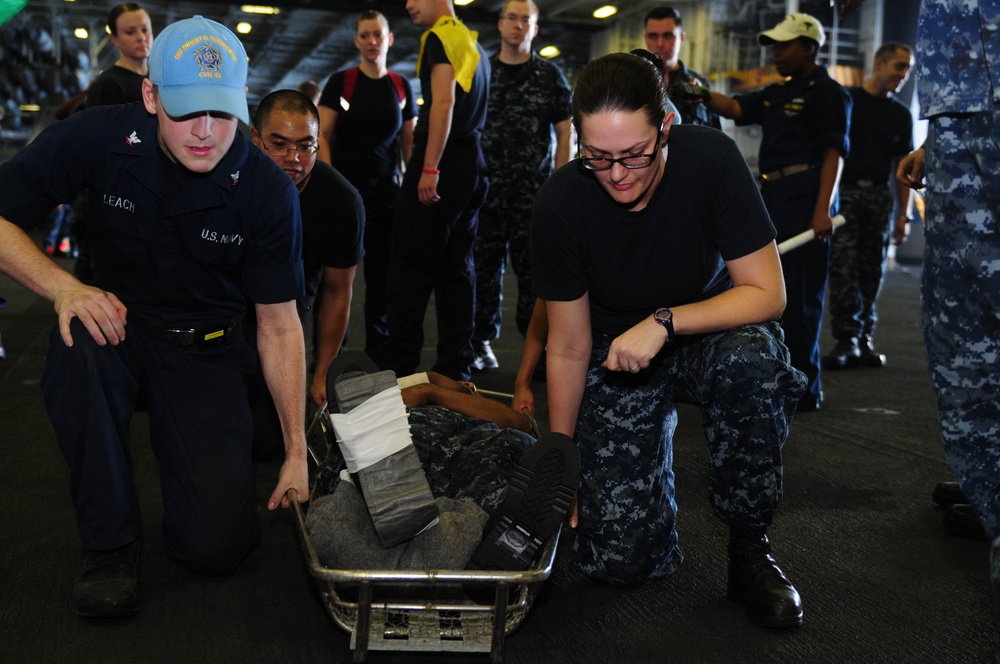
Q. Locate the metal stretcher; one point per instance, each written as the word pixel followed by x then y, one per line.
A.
pixel 421 610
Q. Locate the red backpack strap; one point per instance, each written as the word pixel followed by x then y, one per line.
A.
pixel 350 82
pixel 397 82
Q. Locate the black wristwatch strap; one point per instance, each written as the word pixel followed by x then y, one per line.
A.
pixel 665 317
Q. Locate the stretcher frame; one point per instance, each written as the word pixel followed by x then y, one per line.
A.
pixel 421 610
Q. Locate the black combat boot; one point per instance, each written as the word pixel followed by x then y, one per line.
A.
pixel 108 587
pixel 756 581
pixel 844 355
pixel 869 357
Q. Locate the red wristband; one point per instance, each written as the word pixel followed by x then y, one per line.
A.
pixel 430 171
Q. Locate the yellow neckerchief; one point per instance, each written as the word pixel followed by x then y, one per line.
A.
pixel 459 47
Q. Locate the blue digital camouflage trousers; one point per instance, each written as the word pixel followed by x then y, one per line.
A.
pixel 857 260
pixel 502 227
pixel 747 390
pixel 961 301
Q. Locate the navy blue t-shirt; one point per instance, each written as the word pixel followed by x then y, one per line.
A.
pixel 881 131
pixel 706 210
pixel 363 145
pixel 469 115
pixel 116 85
pixel 333 224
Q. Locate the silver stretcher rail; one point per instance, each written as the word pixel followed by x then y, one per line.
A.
pixel 423 610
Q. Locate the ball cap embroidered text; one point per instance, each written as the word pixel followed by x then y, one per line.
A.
pixel 793 27
pixel 199 65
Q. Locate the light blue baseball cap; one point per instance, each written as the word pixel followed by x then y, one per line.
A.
pixel 199 65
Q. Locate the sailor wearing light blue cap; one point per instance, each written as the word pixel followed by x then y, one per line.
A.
pixel 194 230
pixel 199 65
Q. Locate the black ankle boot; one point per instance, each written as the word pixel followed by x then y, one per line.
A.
pixel 108 587
pixel 756 581
pixel 869 356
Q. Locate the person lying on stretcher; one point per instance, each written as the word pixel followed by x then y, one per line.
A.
pixel 450 454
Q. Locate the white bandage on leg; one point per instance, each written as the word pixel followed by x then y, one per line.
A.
pixel 373 430
pixel 374 437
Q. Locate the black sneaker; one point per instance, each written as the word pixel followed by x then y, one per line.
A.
pixel 108 587
pixel 538 498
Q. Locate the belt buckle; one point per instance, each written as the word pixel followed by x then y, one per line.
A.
pixel 180 336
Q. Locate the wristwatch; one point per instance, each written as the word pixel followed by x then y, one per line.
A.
pixel 665 317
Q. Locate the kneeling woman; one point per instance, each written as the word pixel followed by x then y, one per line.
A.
pixel 656 258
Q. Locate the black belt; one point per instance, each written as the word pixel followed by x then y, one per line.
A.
pixel 784 172
pixel 178 335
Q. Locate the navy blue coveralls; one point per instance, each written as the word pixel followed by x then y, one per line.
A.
pixel 179 252
pixel 799 117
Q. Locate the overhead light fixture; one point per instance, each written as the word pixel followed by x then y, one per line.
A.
pixel 81 33
pixel 605 11
pixel 30 108
pixel 243 28
pixel 259 9
pixel 462 3
pixel 549 52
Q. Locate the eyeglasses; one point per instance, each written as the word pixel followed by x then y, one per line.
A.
pixel 514 18
pixel 282 150
pixel 630 162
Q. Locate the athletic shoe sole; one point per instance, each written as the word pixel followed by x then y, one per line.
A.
pixel 538 498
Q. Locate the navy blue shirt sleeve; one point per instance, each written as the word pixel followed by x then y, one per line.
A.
pixel 834 117
pixel 410 107
pixel 272 269
pixel 48 171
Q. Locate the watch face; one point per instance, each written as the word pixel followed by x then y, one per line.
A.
pixel 663 315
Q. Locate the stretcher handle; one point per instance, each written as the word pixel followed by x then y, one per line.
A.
pixel 805 237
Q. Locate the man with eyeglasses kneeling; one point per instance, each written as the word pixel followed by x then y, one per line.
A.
pixel 662 285
pixel 333 221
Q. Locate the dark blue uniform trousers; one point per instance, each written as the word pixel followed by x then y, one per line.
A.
pixel 790 201
pixel 200 429
pixel 379 210
pixel 432 252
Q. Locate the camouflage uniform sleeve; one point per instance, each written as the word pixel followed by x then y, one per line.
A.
pixel 561 97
